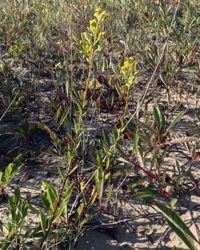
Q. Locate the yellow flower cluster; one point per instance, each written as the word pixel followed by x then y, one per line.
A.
pixel 128 71
pixel 128 65
pixel 93 40
pixel 101 17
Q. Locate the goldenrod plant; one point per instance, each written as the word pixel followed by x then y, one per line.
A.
pixel 108 93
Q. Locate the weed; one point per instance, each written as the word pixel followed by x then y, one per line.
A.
pixel 110 80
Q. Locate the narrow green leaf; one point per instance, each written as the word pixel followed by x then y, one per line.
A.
pixel 188 241
pixel 100 161
pixel 101 186
pixel 120 159
pixel 62 176
pixel 63 118
pixel 1 174
pixel 144 137
pixel 176 119
pixel 12 169
pixel 150 129
pixel 79 211
pixel 163 79
pixel 68 192
pixel 108 195
pixel 115 135
pixel 16 196
pixel 194 129
pixel 137 152
pixel 177 222
pixel 43 222
pixel 145 193
pixel 65 201
pixel 45 201
pixel 154 156
pixel 51 198
pixel 136 183
pixel 106 138
pixel 58 114
pixel 157 118
pixel 97 183
pixel 177 165
pixel 198 117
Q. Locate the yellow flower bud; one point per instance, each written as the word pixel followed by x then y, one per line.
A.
pixel 97 9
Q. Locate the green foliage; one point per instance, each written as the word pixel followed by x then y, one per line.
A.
pixel 18 211
pixel 11 170
pixel 88 64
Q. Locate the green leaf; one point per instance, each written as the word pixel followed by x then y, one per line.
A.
pixel 198 117
pixel 51 198
pixel 108 195
pixel 150 129
pixel 120 159
pixel 52 194
pixel 137 152
pixel 79 211
pixel 182 236
pixel 163 79
pixel 136 183
pixel 1 174
pixel 66 197
pixel 154 156
pixel 106 138
pixel 97 183
pixel 100 161
pixel 12 169
pixel 115 135
pixel 61 174
pixel 25 208
pixel 177 224
pixel 45 201
pixel 177 119
pixel 37 233
pixel 16 196
pixel 63 118
pixel 144 137
pixel 194 129
pixel 68 192
pixel 43 222
pixel 58 114
pixel 157 117
pixel 173 202
pixel 145 193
